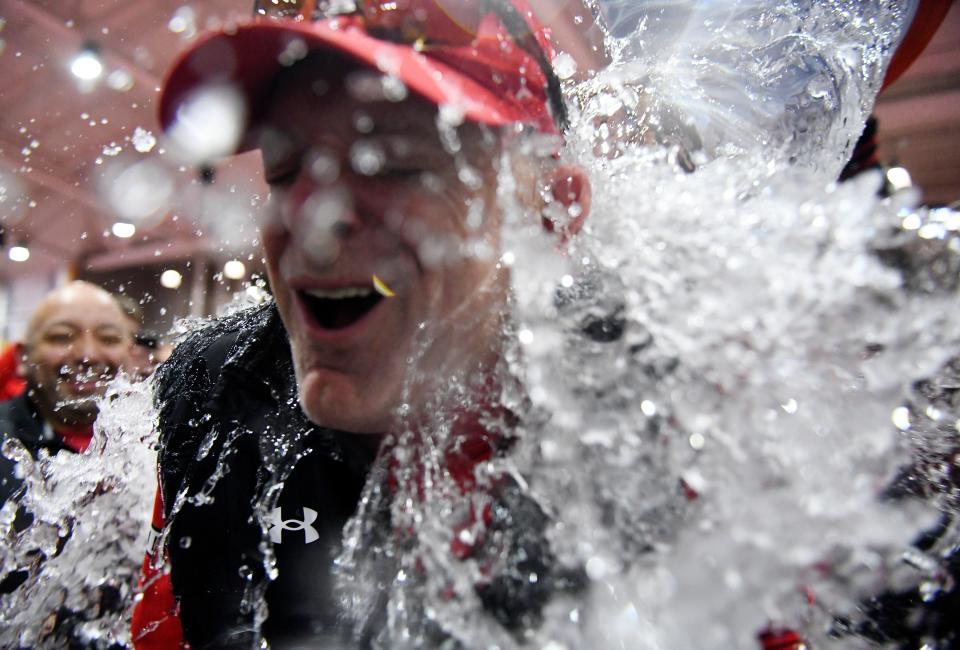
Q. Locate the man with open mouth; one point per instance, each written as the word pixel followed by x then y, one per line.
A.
pixel 385 131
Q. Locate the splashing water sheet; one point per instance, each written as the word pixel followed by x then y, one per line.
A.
pixel 731 401
pixel 87 532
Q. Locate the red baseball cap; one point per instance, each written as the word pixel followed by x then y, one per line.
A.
pixel 489 59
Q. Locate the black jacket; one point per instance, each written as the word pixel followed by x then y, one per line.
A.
pixel 232 435
pixel 19 420
pixel 230 430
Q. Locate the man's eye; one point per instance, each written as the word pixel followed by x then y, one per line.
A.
pixel 58 338
pixel 401 173
pixel 283 177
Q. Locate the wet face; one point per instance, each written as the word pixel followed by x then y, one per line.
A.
pixel 78 340
pixel 382 248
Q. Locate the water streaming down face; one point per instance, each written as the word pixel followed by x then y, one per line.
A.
pixel 706 393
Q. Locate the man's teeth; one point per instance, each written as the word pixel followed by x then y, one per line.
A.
pixel 81 376
pixel 339 294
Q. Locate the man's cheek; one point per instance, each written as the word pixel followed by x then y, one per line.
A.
pixel 44 367
pixel 274 242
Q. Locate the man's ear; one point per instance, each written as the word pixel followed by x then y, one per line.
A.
pixel 20 354
pixel 571 192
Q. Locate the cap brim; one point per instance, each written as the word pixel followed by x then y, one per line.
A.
pixel 249 55
pixel 927 18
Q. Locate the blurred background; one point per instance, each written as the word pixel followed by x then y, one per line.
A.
pixel 88 191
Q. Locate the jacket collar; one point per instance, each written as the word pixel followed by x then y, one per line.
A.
pixel 30 427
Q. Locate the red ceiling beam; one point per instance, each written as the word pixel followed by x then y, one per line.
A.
pixel 54 184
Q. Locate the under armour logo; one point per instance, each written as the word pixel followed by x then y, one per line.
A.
pixel 278 525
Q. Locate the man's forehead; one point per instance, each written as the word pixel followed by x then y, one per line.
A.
pixel 358 102
pixel 67 322
pixel 82 294
pixel 79 305
pixel 336 107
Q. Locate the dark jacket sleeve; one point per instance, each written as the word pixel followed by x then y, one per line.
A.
pixel 208 394
pixel 204 549
pixel 184 384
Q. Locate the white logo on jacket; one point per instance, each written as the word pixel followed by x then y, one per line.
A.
pixel 278 524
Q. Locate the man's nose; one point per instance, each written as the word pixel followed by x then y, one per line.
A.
pixel 324 218
pixel 88 349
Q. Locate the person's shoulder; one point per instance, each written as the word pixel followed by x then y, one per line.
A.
pixel 18 425
pixel 8 431
pixel 7 409
pixel 203 353
pixel 186 383
pixel 17 421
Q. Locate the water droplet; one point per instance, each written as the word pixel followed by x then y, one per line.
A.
pixel 901 418
pixel 295 50
pixel 363 123
pixel 597 568
pixel 210 123
pixel 394 89
pixel 324 167
pixel 139 190
pixel 183 22
pixel 143 140
pixel 564 65
pixel 120 80
pixel 367 157
pixel 790 406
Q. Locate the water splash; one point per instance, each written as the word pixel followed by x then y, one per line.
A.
pixel 794 79
pixel 85 545
pixel 706 407
pixel 708 377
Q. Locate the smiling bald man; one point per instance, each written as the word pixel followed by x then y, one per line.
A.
pixel 77 340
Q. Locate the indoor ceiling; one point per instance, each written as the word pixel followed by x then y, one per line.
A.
pixel 61 142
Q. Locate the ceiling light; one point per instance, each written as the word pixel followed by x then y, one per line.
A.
pixel 171 279
pixel 19 253
pixel 86 65
pixel 235 270
pixel 124 230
